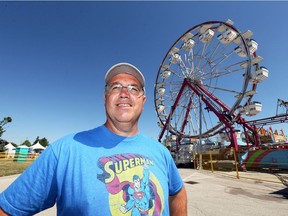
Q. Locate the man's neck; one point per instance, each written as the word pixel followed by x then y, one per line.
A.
pixel 122 129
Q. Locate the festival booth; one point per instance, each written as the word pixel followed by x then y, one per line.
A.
pixel 21 153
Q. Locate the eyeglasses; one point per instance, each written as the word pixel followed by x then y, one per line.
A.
pixel 117 88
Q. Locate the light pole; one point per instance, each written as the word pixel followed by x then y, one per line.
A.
pixel 200 133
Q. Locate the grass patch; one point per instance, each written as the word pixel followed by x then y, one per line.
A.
pixel 10 167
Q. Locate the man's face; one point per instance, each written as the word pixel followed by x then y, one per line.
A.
pixel 124 107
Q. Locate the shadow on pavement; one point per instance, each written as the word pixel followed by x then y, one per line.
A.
pixel 283 192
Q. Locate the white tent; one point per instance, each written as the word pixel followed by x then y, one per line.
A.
pixel 37 147
pixel 22 146
pixel 9 150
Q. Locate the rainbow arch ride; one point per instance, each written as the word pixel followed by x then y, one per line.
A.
pixel 264 158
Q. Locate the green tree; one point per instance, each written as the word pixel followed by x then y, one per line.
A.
pixel 36 140
pixel 44 142
pixel 2 144
pixel 27 143
pixel 4 122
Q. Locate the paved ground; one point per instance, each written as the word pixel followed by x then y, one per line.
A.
pixel 222 194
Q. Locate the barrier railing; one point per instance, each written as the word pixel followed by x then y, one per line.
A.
pixel 269 163
pixel 18 156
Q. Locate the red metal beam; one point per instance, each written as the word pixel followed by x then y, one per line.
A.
pixel 186 115
pixel 172 110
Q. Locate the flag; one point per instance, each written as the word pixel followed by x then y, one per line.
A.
pixel 282 102
pixel 262 131
pixel 270 130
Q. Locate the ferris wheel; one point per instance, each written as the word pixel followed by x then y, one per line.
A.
pixel 207 80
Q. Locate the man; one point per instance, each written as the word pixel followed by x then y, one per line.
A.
pixel 87 173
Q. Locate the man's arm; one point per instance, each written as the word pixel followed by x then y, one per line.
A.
pixel 178 203
pixel 2 213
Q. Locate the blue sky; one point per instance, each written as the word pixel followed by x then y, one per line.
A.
pixel 54 55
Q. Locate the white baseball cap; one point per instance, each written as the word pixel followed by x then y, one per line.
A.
pixel 125 68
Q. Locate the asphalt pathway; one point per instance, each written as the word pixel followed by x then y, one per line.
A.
pixel 223 194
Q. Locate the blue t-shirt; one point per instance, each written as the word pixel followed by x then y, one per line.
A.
pixel 96 172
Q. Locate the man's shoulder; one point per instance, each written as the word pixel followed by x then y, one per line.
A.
pixel 150 141
pixel 73 137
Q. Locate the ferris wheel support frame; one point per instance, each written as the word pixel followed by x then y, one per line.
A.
pixel 200 91
pixel 186 115
pixel 239 120
pixel 171 113
pixel 222 117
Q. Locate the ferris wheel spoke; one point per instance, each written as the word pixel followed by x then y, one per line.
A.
pixel 213 51
pixel 220 73
pixel 223 71
pixel 222 89
pixel 221 52
pixel 221 59
pixel 202 56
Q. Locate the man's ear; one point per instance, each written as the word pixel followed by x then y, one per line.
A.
pixel 144 99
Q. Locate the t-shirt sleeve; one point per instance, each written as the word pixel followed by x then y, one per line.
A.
pixel 175 180
pixel 35 189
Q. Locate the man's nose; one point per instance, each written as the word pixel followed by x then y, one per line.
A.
pixel 124 92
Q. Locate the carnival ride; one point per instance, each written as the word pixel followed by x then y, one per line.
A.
pixel 206 82
pixel 282 103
